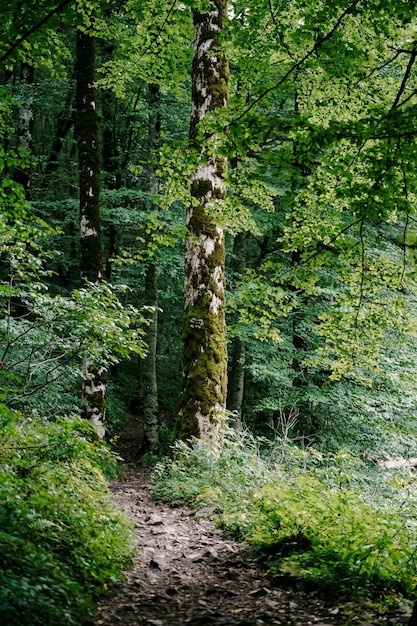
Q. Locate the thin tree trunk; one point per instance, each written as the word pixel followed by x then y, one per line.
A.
pixel 94 386
pixel 204 383
pixel 238 351
pixel 110 163
pixel 22 176
pixel 149 378
pixel 149 375
pixel 298 342
pixel 65 122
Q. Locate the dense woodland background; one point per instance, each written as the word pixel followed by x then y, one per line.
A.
pixel 319 133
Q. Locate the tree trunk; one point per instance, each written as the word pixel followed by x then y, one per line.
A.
pixel 413 619
pixel 87 131
pixel 22 176
pixel 65 122
pixel 298 342
pixel 204 383
pixel 110 162
pixel 238 349
pixel 149 378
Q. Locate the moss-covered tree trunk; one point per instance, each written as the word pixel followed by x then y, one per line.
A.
pixel 91 262
pixel 203 395
pixel 149 377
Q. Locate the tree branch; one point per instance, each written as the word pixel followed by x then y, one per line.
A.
pixel 33 29
pixel 159 31
pixel 299 63
pixel 406 76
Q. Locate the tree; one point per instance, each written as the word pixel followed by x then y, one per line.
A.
pixel 22 176
pixel 237 369
pixel 203 395
pixel 94 385
pixel 149 379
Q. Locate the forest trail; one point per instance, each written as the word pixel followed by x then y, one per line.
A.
pixel 187 572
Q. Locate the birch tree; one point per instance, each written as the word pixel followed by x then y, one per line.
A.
pixel 203 395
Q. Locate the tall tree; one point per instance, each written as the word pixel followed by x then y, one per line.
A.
pixel 203 395
pixel 64 123
pixel 22 175
pixel 87 129
pixel 149 378
pixel 238 348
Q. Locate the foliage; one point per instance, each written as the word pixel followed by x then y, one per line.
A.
pixel 46 335
pixel 330 519
pixel 61 539
pixel 321 142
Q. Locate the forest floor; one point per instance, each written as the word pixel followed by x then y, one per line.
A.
pixel 188 572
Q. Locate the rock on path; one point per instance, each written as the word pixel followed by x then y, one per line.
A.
pixel 187 572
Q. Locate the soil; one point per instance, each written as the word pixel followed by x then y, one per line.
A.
pixel 188 572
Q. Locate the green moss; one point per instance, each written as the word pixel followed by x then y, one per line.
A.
pixel 199 188
pixel 205 378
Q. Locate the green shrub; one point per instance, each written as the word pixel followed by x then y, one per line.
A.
pixel 332 520
pixel 332 537
pixel 61 539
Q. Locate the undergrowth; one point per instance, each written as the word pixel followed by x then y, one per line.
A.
pixel 62 541
pixel 334 521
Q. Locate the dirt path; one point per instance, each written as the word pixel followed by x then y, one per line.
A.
pixel 188 573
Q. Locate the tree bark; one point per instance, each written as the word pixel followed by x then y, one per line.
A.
pixel 65 122
pixel 22 176
pixel 413 619
pixel 204 383
pixel 149 374
pixel 298 342
pixel 238 348
pixel 94 388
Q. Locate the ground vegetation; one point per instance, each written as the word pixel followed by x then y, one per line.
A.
pixel 184 230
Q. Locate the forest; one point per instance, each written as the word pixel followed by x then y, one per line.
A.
pixel 208 241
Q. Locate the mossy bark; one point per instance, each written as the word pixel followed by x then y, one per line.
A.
pixel 91 262
pixel 204 385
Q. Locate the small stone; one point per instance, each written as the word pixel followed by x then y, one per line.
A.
pixel 195 557
pixel 211 552
pixel 154 520
pixel 206 512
